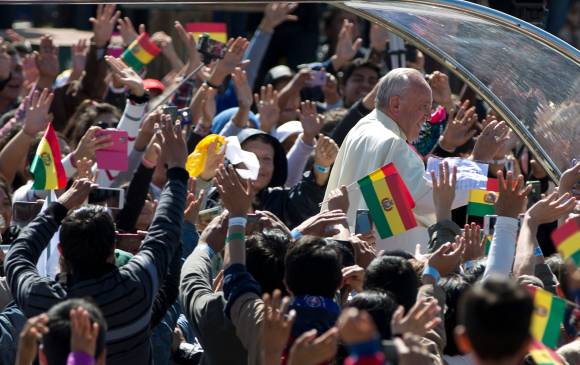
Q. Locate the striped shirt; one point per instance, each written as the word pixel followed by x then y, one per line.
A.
pixel 125 295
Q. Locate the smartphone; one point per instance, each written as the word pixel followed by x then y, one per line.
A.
pixel 207 215
pixel 364 223
pixel 172 111
pixel 115 157
pixel 108 197
pixel 536 193
pixel 24 212
pixel 210 49
pixel 317 79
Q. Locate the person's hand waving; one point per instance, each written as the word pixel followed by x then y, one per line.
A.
pixel 104 23
pixel 346 48
pixel 276 326
pixel 36 118
pixel 419 320
pixel 234 192
pixel 277 13
pixel 460 128
pixel 492 139
pixel 311 121
pixel 127 76
pixel 268 109
pixel 31 334
pixel 512 195
pixel 551 208
pixel 77 194
pixel 444 190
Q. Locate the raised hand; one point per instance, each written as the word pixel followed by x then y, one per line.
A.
pixel 268 109
pixel 420 319
pixel 83 334
pixel 193 56
pixel 77 194
pixel 277 13
pixel 267 220
pixel 276 326
pixel 89 144
pixel 353 278
pixel 127 30
pixel 493 138
pixel 192 204
pixel 338 199
pixel 172 143
pixel 311 350
pixel 31 334
pixel 569 179
pixel 441 89
pixel 126 75
pixel 311 121
pixel 235 195
pixel 325 152
pixel 460 128
pixel 242 87
pixel 446 259
pixel 319 225
pixel 104 23
pixel 356 326
pixel 5 63
pixel 214 235
pixel 47 59
pixel 444 190
pixel 36 118
pixel 512 195
pixel 85 169
pixel 346 48
pixel 213 161
pixel 551 208
pixel 235 50
pixel 472 241
pixel 79 57
pixel 378 37
pixel 364 249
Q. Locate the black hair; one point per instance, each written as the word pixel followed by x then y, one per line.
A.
pixel 496 314
pixel 85 117
pixel 56 343
pixel 395 275
pixel 380 306
pixel 265 253
pixel 87 238
pixel 346 251
pixel 454 286
pixel 313 267
pixel 354 65
pixel 331 119
pixel 399 253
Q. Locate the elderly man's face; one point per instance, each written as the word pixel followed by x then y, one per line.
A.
pixel 412 109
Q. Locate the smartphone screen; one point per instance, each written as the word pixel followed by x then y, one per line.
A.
pixel 172 111
pixel 107 197
pixel 318 79
pixel 363 223
pixel 536 193
pixel 24 212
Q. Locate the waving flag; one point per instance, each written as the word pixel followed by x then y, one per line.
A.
pixel 46 166
pixel 567 241
pixel 389 201
pixel 547 317
pixel 140 53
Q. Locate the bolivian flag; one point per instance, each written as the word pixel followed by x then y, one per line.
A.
pixel 567 241
pixel 547 317
pixel 216 31
pixel 482 202
pixel 389 201
pixel 46 166
pixel 140 53
pixel 543 355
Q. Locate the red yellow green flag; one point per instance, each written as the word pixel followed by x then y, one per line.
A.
pixel 543 355
pixel 481 203
pixel 46 165
pixel 140 53
pixel 389 201
pixel 216 31
pixel 547 317
pixel 567 241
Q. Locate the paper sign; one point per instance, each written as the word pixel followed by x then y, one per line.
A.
pixel 216 31
pixel 236 155
pixel 470 174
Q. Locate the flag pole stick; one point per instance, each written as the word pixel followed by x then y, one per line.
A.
pixel 349 188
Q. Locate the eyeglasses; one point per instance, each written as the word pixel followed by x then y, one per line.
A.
pixel 106 125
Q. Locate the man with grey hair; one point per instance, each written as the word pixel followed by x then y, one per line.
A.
pixel 403 104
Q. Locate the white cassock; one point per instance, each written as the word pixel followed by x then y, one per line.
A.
pixel 375 141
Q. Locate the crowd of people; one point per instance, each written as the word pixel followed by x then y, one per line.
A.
pixel 219 268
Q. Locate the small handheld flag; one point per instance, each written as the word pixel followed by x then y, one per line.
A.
pixel 196 160
pixel 216 31
pixel 389 201
pixel 543 355
pixel 481 203
pixel 140 53
pixel 567 241
pixel 547 317
pixel 46 166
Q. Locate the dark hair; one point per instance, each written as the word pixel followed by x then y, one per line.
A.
pixel 87 238
pixel 354 65
pixel 399 253
pixel 331 119
pixel 56 343
pixel 454 286
pixel 396 275
pixel 85 117
pixel 380 306
pixel 496 314
pixel 313 267
pixel 265 252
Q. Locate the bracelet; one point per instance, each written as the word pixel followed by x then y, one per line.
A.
pixel 430 270
pixel 296 234
pixel 235 236
pixel 321 169
pixel 538 252
pixel 211 85
pixel 237 221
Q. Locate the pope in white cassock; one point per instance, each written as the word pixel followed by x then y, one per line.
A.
pixel 403 104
